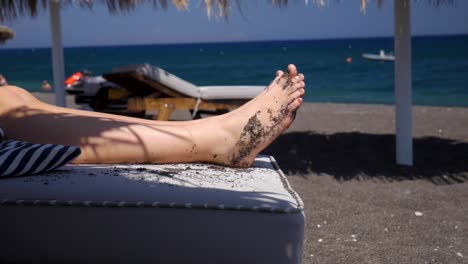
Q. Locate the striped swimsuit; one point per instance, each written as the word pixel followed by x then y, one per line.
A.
pixel 19 158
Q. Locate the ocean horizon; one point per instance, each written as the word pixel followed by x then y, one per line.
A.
pixel 238 42
pixel 440 66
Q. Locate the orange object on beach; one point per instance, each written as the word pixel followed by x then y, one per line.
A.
pixel 349 60
pixel 72 79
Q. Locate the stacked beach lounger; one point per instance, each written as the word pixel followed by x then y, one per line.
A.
pixel 155 89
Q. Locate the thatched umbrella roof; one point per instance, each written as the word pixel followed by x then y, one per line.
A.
pixel 10 9
pixel 6 34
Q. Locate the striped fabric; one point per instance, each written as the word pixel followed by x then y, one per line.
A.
pixel 23 158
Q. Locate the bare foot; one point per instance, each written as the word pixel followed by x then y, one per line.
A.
pixel 255 125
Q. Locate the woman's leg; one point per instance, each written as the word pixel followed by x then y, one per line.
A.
pixel 233 139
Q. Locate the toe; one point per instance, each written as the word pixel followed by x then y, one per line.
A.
pixel 297 78
pixel 285 79
pixel 292 70
pixel 297 94
pixel 279 76
pixel 296 86
pixel 294 105
pixel 282 80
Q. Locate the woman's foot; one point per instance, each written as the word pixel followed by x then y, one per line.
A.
pixel 254 126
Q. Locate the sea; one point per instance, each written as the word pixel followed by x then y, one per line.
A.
pixel 440 66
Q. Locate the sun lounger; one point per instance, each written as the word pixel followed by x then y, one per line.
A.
pixel 186 213
pixel 157 89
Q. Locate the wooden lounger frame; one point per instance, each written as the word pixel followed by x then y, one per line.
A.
pixel 166 106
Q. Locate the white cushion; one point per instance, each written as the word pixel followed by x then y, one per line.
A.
pixel 229 92
pixel 194 213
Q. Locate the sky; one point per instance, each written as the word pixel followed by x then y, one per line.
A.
pixel 260 21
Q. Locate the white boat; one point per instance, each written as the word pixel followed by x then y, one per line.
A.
pixel 381 56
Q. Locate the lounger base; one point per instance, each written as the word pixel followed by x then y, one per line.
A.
pixel 131 235
pixel 184 213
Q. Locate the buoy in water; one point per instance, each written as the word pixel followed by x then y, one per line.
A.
pixel 349 60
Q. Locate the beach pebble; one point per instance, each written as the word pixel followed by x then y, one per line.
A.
pixel 311 255
pixel 460 254
pixel 386 229
pixel 320 240
pixel 354 240
pixel 318 226
pixel 418 213
pixel 353 236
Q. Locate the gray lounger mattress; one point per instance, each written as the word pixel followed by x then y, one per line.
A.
pixel 186 213
pixel 181 86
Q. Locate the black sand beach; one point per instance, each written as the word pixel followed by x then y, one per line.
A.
pixel 362 208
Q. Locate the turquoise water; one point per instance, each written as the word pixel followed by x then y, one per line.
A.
pixel 440 66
